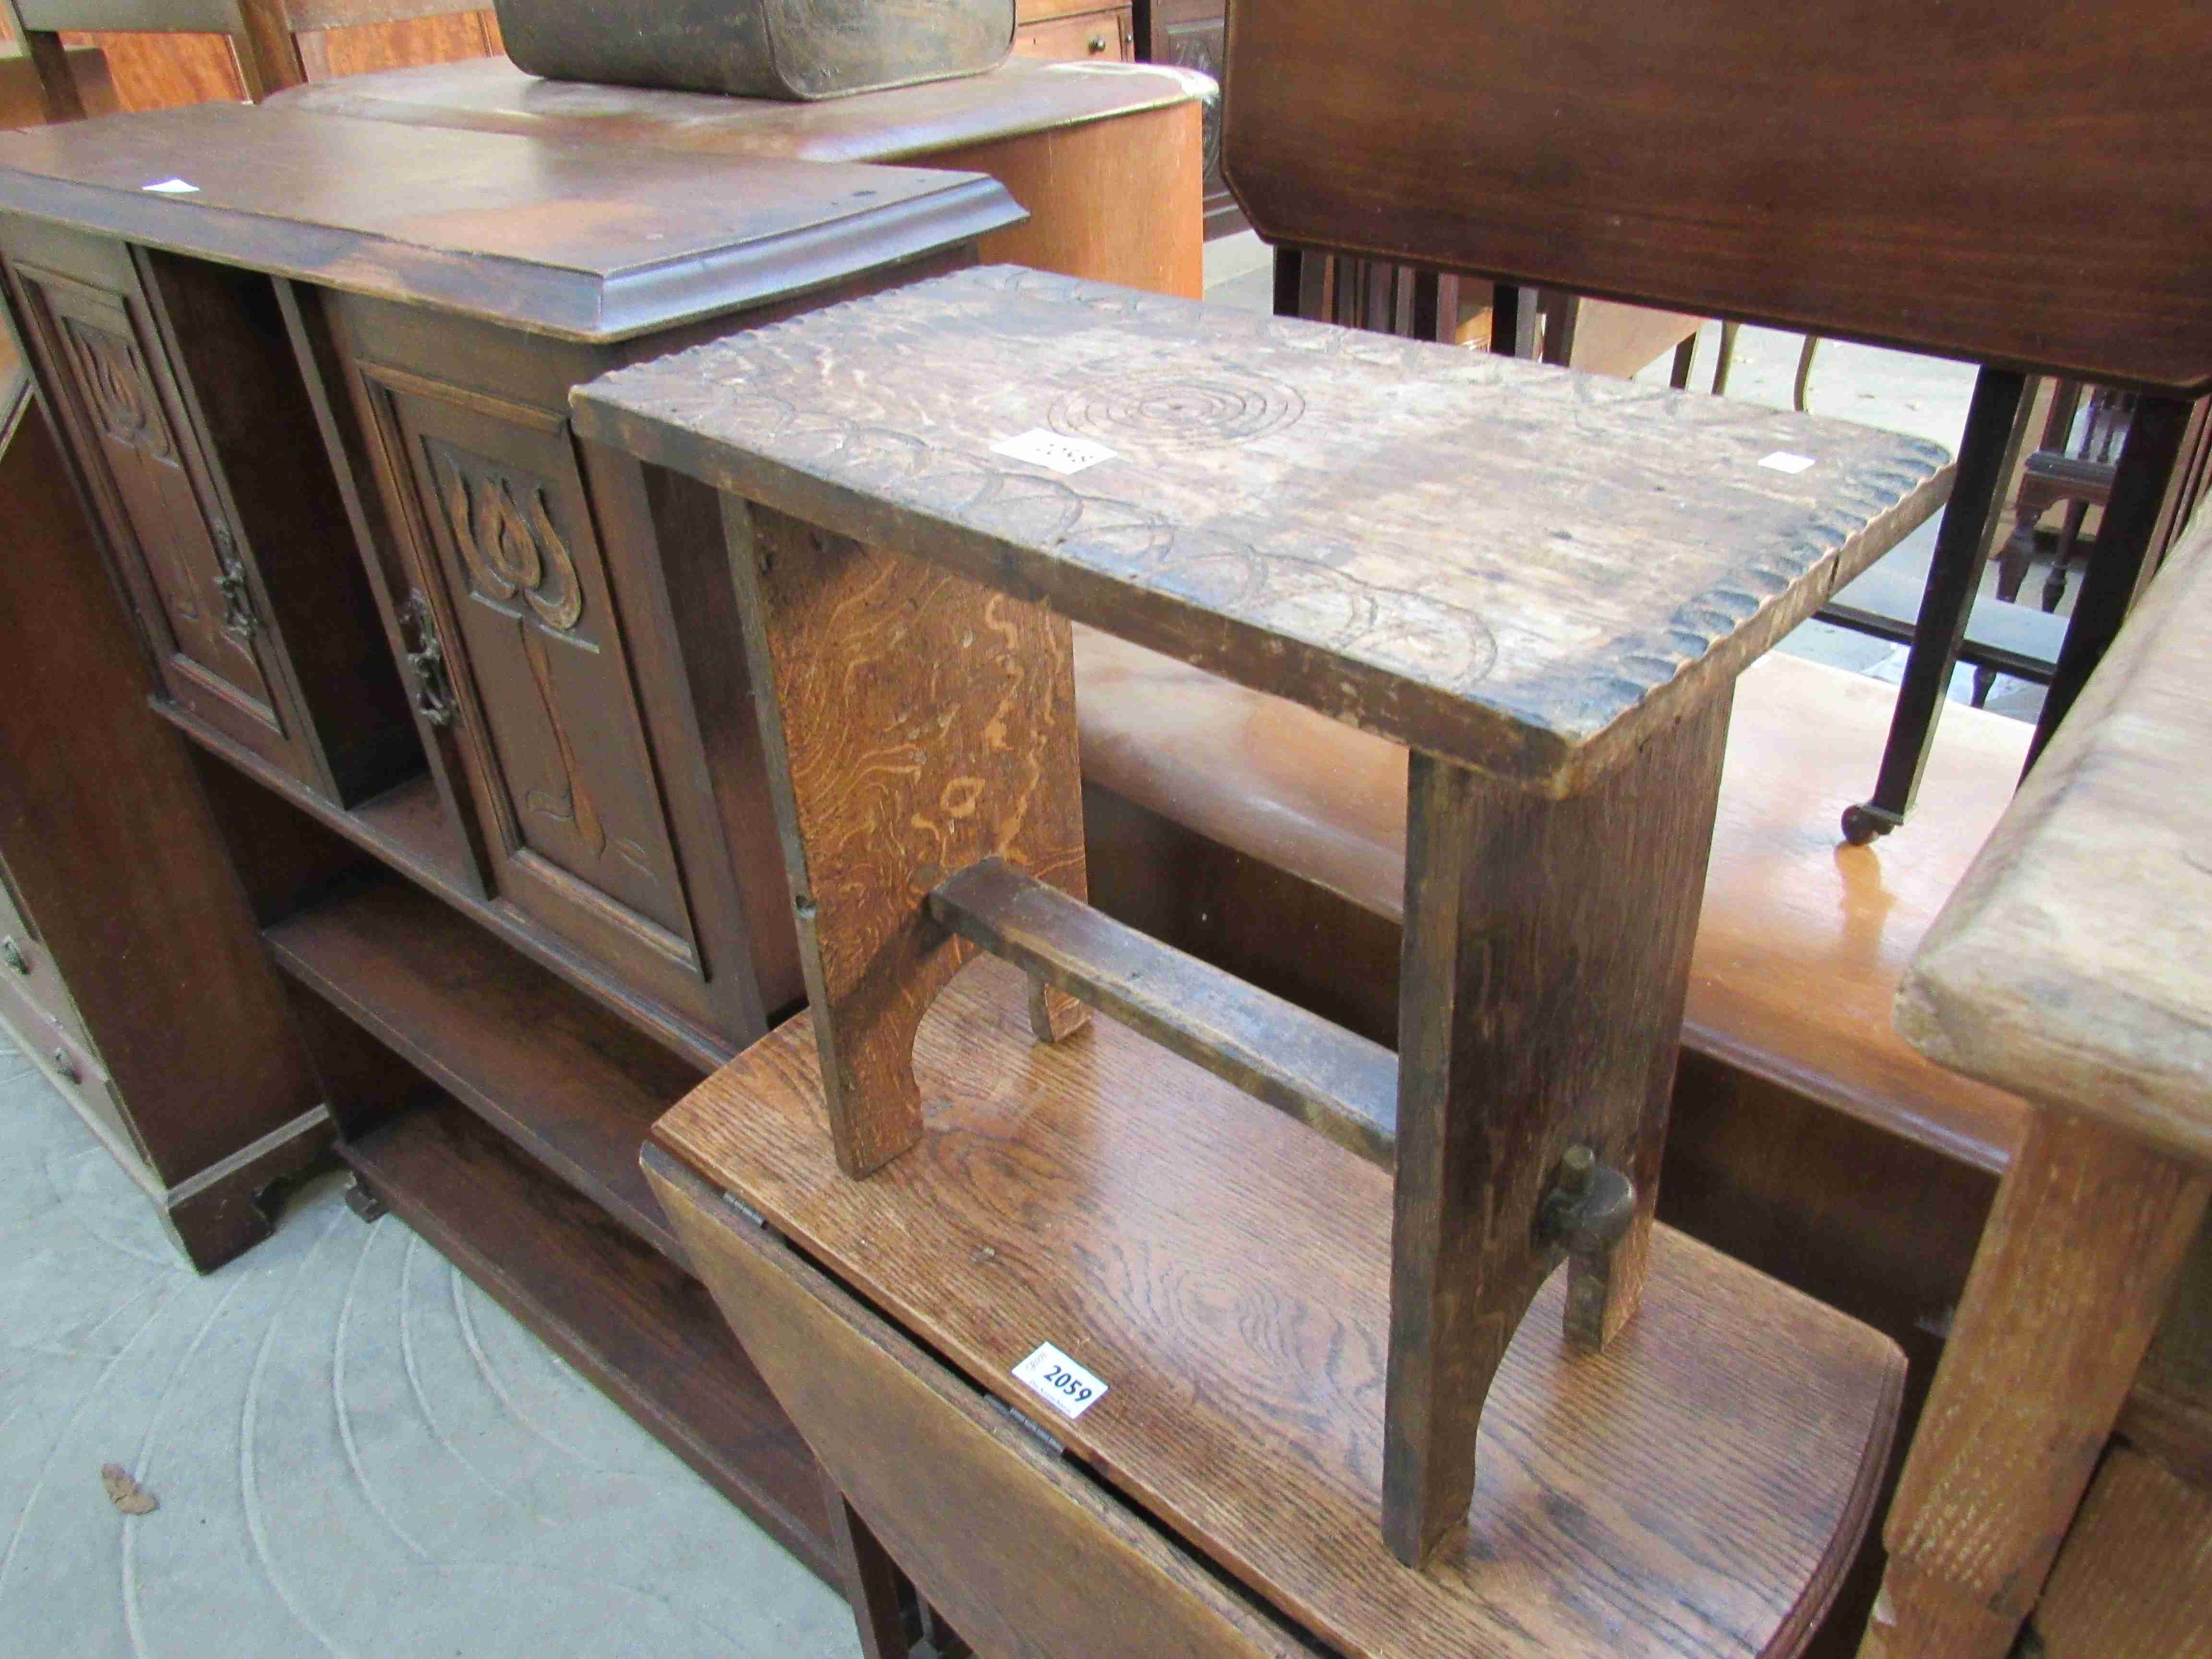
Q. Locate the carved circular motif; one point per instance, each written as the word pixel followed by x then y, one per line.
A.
pixel 1178 409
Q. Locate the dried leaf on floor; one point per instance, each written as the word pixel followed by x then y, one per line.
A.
pixel 126 1494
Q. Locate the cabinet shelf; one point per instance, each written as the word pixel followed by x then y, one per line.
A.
pixel 577 1089
pixel 646 1334
pixel 407 829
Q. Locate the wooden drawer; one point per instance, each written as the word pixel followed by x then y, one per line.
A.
pixel 191 425
pixel 1039 1547
pixel 26 965
pixel 57 1047
pixel 1090 36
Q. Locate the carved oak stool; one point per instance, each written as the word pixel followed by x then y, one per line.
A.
pixel 1543 583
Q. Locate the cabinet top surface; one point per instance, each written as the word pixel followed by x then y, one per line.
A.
pixel 2073 964
pixel 491 95
pixel 1523 568
pixel 581 240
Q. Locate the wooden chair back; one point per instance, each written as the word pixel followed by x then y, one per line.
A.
pixel 1979 180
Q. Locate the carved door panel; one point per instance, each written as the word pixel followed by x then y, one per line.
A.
pixel 201 611
pixel 559 762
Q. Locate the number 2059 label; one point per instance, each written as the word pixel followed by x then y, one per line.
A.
pixel 1067 1386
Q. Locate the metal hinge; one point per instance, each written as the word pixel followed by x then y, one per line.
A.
pixel 426 661
pixel 238 618
pixel 1027 1424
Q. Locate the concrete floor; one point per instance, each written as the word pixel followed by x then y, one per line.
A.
pixel 355 1452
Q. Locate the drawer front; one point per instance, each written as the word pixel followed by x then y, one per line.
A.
pixel 504 551
pixel 1095 36
pixel 1039 1547
pixel 25 965
pixel 201 609
pixel 59 1049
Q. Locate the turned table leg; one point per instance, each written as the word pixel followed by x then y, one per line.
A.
pixel 1546 958
pixel 2073 1272
pixel 914 722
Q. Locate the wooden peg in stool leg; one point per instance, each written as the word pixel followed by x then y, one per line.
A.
pixel 1530 1124
pixel 915 723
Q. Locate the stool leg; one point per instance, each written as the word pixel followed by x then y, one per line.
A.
pixel 2074 1270
pixel 913 722
pixel 1529 1129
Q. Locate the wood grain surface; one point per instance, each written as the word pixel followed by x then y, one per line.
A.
pixel 1041 1561
pixel 2073 963
pixel 1325 1077
pixel 2135 1580
pixel 2088 1232
pixel 1924 179
pixel 1519 568
pixel 1545 953
pixel 576 241
pixel 914 722
pixel 1801 943
pixel 491 94
pixel 1692 1490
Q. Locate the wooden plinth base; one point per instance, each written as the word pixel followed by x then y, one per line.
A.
pixel 1695 1489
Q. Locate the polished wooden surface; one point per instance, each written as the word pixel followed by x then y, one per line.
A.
pixel 1442 580
pixel 1802 941
pixel 1692 1490
pixel 1922 179
pixel 117 863
pixel 582 242
pixel 1039 1560
pixel 1106 162
pixel 491 94
pixel 2073 965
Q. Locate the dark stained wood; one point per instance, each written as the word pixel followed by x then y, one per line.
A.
pixel 1327 1078
pixel 562 1078
pixel 915 721
pixel 577 242
pixel 223 332
pixel 645 1333
pixel 1021 1550
pixel 1800 944
pixel 1476 599
pixel 1545 959
pixel 871 1578
pixel 147 932
pixel 1928 178
pixel 491 95
pixel 1694 1489
pixel 408 830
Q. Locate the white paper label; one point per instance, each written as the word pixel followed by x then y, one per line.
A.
pixel 1067 1386
pixel 1782 461
pixel 171 187
pixel 1063 455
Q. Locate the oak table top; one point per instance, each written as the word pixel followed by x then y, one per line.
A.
pixel 1519 568
pixel 2073 963
pixel 580 241
pixel 491 94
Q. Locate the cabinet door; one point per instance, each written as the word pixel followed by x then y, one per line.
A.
pixel 563 775
pixel 202 611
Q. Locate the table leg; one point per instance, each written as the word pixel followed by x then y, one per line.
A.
pixel 914 722
pixel 2089 1230
pixel 1962 542
pixel 1546 961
